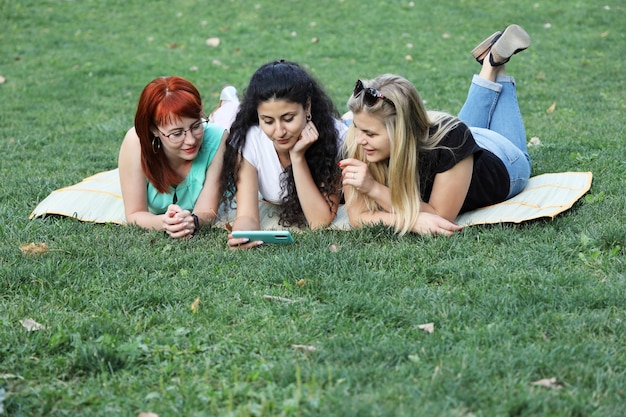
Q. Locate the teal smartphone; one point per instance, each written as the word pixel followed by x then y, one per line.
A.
pixel 267 236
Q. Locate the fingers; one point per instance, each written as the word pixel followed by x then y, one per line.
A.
pixel 173 209
pixel 184 233
pixel 309 134
pixel 311 129
pixel 447 229
pixel 432 224
pixel 242 243
pixel 179 223
pixel 350 163
pixel 355 173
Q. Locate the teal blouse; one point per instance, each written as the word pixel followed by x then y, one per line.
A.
pixel 186 193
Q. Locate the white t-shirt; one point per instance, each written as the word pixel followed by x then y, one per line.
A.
pixel 259 151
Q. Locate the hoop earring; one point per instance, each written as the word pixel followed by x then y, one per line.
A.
pixel 156 144
pixel 308 117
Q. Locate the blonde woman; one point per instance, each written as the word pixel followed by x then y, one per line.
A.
pixel 416 170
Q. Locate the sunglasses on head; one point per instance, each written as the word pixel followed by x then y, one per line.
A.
pixel 370 94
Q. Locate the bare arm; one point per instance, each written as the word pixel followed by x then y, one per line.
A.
pixel 133 184
pixel 209 199
pixel 247 217
pixel 316 208
pixel 360 215
pixel 450 190
pixel 355 173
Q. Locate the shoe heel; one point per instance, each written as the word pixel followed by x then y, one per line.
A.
pixel 484 46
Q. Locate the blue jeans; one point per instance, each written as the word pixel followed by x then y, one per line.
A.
pixel 492 113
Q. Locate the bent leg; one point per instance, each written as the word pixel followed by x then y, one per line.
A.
pixel 480 104
pixel 507 118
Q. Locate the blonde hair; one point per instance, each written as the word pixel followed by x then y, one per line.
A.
pixel 408 126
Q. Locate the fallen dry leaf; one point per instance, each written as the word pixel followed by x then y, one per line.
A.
pixel 34 248
pixel 304 347
pixel 551 108
pixel 195 305
pixel 547 383
pixel 427 327
pixel 301 282
pixel 213 42
pixel 31 325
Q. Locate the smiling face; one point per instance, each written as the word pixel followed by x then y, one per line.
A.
pixel 282 121
pixel 371 134
pixel 181 138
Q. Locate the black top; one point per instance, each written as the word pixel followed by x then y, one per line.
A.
pixel 490 179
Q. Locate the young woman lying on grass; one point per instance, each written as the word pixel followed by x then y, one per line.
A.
pixel 284 143
pixel 171 160
pixel 416 170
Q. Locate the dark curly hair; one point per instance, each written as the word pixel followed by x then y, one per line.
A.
pixel 283 80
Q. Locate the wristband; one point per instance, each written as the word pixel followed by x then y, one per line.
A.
pixel 196 224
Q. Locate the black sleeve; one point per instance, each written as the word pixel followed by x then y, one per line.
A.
pixel 457 145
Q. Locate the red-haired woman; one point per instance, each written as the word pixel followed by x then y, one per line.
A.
pixel 170 162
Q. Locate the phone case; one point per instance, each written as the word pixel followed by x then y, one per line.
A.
pixel 267 236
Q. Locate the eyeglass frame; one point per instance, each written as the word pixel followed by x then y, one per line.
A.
pixel 372 95
pixel 183 132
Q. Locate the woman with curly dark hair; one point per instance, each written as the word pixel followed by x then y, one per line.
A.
pixel 284 144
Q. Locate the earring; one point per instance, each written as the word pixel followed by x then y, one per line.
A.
pixel 308 117
pixel 156 144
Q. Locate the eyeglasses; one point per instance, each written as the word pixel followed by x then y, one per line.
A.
pixel 178 136
pixel 371 95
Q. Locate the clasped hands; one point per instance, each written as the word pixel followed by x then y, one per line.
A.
pixel 177 222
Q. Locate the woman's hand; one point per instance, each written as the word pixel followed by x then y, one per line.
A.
pixel 356 174
pixel 308 137
pixel 177 222
pixel 433 224
pixel 242 243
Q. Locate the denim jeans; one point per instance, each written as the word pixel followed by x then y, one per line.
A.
pixel 492 113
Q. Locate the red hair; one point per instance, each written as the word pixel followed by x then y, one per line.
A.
pixel 164 100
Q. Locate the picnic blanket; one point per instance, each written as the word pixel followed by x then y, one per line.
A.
pixel 99 199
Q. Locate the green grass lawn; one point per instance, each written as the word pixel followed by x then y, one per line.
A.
pixel 511 305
